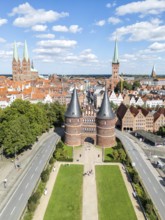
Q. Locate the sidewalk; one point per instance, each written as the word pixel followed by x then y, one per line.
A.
pixel 9 171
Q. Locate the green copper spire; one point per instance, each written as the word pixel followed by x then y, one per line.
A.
pixel 25 52
pixel 116 55
pixel 15 52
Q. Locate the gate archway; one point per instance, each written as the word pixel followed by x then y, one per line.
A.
pixel 89 140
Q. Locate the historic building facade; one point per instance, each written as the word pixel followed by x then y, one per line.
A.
pixel 86 124
pixel 132 118
pixel 24 70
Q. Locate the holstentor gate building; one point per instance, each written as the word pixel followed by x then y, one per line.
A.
pixel 85 124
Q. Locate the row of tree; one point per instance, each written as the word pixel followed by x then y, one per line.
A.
pixel 23 122
pixel 128 86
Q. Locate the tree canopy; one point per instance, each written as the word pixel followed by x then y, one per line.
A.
pixel 23 122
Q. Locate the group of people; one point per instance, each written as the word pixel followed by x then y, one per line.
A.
pixel 88 173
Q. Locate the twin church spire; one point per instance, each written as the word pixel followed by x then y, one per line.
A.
pixel 23 71
pixel 25 52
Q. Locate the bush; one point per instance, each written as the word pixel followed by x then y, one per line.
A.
pixel 35 197
pixel 32 206
pixel 52 160
pixel 149 208
pixel 135 178
pixel 45 175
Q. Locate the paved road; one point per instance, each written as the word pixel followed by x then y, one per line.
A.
pixel 155 190
pixel 17 202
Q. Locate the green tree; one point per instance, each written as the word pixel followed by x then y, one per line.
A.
pixel 115 154
pixel 136 85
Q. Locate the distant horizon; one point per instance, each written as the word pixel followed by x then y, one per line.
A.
pixel 78 37
pixel 91 75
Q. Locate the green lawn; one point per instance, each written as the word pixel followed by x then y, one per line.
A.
pixel 66 199
pixel 69 151
pixel 108 156
pixel 113 199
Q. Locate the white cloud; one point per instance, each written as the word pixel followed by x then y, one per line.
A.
pixel 2 40
pixel 60 28
pixel 29 16
pixel 39 27
pixel 5 54
pixel 57 43
pixel 157 47
pixel 110 5
pixel 75 29
pixel 3 21
pixel 49 36
pixel 86 57
pixel 146 30
pixel 143 7
pixel 72 29
pixel 114 20
pixel 100 23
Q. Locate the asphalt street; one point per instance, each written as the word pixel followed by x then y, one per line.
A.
pixel 17 202
pixel 152 185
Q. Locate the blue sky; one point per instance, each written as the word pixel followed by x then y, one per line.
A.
pixel 77 37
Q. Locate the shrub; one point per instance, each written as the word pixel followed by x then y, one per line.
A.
pixel 45 175
pixel 52 160
pixel 32 206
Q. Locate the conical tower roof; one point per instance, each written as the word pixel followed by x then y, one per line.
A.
pixel 116 54
pixel 25 52
pixel 153 73
pixel 74 110
pixel 15 52
pixel 105 110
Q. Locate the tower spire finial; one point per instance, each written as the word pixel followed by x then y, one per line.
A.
pixel 15 52
pixel 116 55
pixel 25 52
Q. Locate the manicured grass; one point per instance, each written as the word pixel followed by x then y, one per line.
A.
pixel 66 199
pixel 69 151
pixel 108 156
pixel 113 199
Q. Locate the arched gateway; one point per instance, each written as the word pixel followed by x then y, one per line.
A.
pixel 87 123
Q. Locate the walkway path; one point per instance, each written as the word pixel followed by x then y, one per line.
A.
pixel 87 155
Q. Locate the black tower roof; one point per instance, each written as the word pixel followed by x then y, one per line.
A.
pixel 105 111
pixel 73 110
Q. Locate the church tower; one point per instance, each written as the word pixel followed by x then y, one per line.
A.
pixel 105 122
pixel 16 66
pixel 115 68
pixel 73 121
pixel 26 68
pixel 153 73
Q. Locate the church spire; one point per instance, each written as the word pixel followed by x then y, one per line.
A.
pixel 105 110
pixel 15 52
pixel 25 52
pixel 116 55
pixel 153 73
pixel 74 110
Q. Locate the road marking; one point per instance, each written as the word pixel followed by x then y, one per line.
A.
pixel 162 202
pixel 40 161
pixel 20 196
pixel 12 210
pixel 26 185
pixel 149 179
pixel 36 168
pixel 154 189
pixel 32 176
